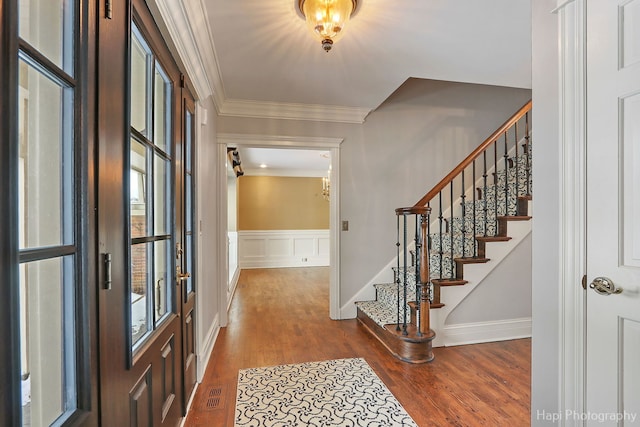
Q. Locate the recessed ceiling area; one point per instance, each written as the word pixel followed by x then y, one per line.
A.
pixel 284 161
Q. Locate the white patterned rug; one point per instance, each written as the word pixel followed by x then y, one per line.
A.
pixel 343 392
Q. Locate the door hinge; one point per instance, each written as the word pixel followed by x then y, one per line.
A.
pixel 108 9
pixel 584 282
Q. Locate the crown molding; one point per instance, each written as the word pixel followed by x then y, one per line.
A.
pixel 256 140
pixel 175 18
pixel 290 111
pixel 205 45
pixel 188 25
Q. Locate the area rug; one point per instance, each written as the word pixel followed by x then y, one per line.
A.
pixel 343 392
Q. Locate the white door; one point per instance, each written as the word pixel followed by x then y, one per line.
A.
pixel 613 212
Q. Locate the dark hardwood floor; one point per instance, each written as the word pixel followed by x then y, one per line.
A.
pixel 281 316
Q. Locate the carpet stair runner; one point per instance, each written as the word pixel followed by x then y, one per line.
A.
pixel 506 199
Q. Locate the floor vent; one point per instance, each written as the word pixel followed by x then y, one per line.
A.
pixel 213 398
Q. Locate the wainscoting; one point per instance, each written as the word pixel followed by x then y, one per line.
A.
pixel 283 248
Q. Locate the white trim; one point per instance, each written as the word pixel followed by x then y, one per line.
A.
pixel 222 233
pixel 481 332
pixel 333 144
pixel 561 5
pixel 176 16
pixel 209 342
pixel 183 420
pixel 334 235
pixel 233 285
pixel 258 140
pixel 572 31
pixel 292 111
pixel 283 248
pixel 207 348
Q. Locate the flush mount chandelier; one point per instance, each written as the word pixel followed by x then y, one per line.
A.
pixel 326 19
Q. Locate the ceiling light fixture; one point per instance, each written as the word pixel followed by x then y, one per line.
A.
pixel 326 19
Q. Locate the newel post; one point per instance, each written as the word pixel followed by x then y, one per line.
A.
pixel 425 294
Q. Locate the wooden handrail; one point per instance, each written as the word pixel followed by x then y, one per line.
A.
pixel 474 155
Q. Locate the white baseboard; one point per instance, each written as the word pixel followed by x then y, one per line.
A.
pixel 474 333
pixel 207 348
pixel 231 287
pixel 189 403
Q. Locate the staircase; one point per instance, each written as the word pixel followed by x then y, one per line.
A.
pixel 446 233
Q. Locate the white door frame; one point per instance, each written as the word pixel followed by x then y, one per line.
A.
pixel 572 150
pixel 271 141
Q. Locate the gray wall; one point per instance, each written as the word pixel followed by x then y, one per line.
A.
pixel 546 212
pixel 509 282
pixel 402 150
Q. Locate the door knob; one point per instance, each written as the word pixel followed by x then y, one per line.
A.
pixel 604 286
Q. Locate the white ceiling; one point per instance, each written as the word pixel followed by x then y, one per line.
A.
pixel 266 55
pixel 284 162
pixel 257 58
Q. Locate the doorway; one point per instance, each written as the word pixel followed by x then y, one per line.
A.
pixel 330 145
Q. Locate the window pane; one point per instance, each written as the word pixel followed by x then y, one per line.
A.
pixel 161 195
pixel 189 259
pixel 188 140
pixel 45 120
pixel 48 26
pixel 138 189
pixel 162 280
pixel 140 322
pixel 188 192
pixel 161 109
pixel 47 340
pixel 140 57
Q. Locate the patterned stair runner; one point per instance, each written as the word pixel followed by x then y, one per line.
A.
pixel 441 265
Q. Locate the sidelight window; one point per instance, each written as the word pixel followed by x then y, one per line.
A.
pixel 48 212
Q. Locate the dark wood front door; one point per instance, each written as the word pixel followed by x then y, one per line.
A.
pixel 96 209
pixel 142 245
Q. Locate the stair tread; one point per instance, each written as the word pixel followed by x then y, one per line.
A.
pixel 471 260
pixel 449 282
pixel 379 312
pixel 515 217
pixel 493 238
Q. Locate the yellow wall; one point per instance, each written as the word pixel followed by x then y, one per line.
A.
pixel 281 203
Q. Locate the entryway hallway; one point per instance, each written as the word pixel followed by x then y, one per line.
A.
pixel 281 316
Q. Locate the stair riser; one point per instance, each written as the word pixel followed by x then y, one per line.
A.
pixel 442 243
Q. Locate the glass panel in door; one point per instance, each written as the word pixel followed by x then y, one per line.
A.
pixel 150 193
